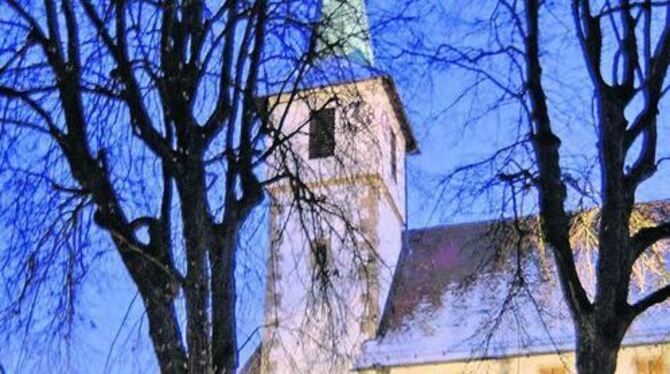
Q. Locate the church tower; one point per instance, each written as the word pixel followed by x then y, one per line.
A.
pixel 336 224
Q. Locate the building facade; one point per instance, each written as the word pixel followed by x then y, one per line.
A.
pixel 349 151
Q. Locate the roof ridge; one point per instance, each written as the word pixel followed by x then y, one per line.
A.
pixel 503 219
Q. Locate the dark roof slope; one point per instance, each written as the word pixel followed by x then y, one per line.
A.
pixel 432 260
pixel 455 296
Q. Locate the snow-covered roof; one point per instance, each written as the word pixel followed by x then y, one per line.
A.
pixel 452 300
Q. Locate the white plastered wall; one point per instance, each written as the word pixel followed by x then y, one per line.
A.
pixel 306 331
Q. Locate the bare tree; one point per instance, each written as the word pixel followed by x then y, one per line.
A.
pixel 507 47
pixel 143 119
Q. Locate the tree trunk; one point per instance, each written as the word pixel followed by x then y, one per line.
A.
pixel 158 292
pixel 593 358
pixel 224 339
pixel 597 350
pixel 166 336
pixel 197 238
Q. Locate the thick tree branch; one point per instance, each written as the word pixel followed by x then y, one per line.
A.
pixel 629 49
pixel 646 237
pixel 223 109
pixel 589 33
pixel 71 25
pixel 646 122
pixel 555 221
pixel 650 300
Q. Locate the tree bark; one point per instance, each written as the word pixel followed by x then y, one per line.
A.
pixel 158 290
pixel 594 358
pixel 198 239
pixel 165 333
pixel 597 348
pixel 224 338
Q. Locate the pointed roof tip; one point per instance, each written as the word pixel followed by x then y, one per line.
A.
pixel 344 31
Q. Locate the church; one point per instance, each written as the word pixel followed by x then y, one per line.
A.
pixel 350 288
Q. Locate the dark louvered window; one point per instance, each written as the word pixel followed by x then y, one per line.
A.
pixel 322 133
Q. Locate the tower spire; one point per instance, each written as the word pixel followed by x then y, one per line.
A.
pixel 344 31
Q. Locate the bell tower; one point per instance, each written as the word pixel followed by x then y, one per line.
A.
pixel 336 223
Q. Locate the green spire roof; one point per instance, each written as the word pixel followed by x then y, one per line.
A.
pixel 344 31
